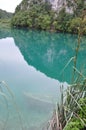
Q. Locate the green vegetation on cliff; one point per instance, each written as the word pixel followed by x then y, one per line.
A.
pixel 5 19
pixel 39 15
pixel 4 14
pixel 5 23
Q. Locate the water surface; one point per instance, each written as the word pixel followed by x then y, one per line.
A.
pixel 31 63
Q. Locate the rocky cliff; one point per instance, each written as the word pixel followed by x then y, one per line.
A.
pixel 53 15
pixel 26 4
pixel 57 5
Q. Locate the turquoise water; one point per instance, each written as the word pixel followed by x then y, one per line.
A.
pixel 31 63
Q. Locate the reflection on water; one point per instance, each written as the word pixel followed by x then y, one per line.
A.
pixel 31 63
pixel 49 52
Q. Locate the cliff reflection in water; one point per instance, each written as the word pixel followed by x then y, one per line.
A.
pixel 49 52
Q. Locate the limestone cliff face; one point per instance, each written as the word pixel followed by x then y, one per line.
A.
pixel 57 5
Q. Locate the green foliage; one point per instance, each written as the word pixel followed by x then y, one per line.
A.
pixel 44 22
pixel 82 113
pixel 77 123
pixel 79 8
pixel 74 25
pixel 35 17
pixel 72 126
pixel 39 15
pixel 4 14
pixel 63 20
pixel 84 25
pixel 5 23
pixel 77 23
